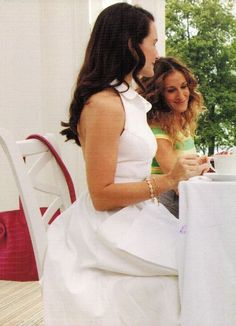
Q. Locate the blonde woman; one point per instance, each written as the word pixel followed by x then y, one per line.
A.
pixel 176 104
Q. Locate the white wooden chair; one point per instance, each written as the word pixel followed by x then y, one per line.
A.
pixel 27 158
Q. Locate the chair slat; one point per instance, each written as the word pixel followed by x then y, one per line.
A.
pixel 39 164
pixel 47 188
pixel 31 147
pixel 51 210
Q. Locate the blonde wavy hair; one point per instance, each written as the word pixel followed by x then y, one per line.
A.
pixel 161 114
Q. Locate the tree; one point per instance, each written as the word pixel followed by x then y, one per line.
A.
pixel 202 33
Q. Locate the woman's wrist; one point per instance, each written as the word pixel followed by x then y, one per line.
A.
pixel 153 189
pixel 171 181
pixel 163 183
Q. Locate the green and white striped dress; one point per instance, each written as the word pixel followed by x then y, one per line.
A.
pixel 186 146
pixel 170 199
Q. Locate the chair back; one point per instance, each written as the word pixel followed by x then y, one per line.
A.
pixel 28 158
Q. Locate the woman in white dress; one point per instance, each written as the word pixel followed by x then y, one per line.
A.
pixel 111 256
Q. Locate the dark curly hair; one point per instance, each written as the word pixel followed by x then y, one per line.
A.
pixel 108 57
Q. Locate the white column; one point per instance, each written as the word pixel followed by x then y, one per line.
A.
pixel 42 45
pixel 20 80
pixel 157 8
pixel 95 7
pixel 64 35
pixel 20 68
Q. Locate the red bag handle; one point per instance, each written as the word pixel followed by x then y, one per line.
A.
pixel 60 163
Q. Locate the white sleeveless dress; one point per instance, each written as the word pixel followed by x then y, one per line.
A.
pixel 115 268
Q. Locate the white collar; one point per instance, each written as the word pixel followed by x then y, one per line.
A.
pixel 129 93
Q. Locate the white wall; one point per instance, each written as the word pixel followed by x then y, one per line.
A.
pixel 157 8
pixel 42 45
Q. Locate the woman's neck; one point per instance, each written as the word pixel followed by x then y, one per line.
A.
pixel 128 79
pixel 178 118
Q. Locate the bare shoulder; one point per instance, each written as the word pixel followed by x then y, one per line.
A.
pixel 106 101
pixel 103 108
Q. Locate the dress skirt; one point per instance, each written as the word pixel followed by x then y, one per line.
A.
pixel 114 268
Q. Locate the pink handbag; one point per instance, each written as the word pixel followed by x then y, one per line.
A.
pixel 17 261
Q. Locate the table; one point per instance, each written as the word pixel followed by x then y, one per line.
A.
pixel 207 252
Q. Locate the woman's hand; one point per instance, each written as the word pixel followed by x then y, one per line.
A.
pixel 186 167
pixel 204 160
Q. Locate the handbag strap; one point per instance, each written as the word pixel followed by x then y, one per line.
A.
pixel 60 163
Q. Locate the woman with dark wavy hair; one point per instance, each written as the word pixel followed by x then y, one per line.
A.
pixel 176 105
pixel 111 256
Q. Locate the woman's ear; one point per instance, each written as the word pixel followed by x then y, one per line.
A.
pixel 130 44
pixel 132 50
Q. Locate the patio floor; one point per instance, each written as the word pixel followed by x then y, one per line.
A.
pixel 20 304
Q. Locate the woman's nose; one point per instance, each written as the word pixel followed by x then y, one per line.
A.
pixel 180 94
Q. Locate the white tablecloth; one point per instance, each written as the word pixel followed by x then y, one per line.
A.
pixel 207 253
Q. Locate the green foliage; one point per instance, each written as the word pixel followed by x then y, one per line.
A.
pixel 202 33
